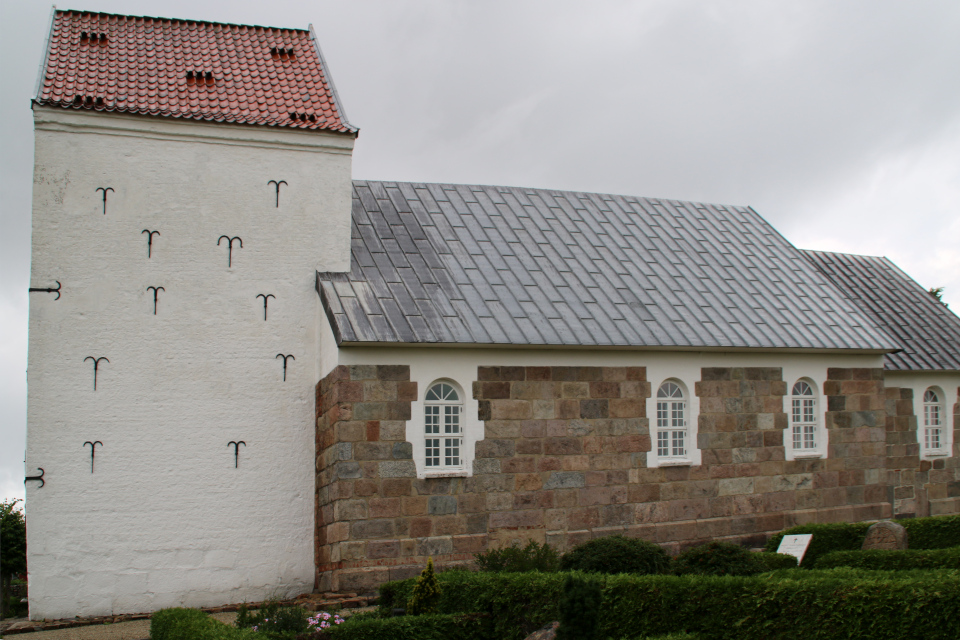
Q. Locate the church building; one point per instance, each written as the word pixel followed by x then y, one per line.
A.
pixel 251 375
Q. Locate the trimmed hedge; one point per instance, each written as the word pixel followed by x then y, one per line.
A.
pixel 936 532
pixel 717 559
pixel 617 554
pixel 808 605
pixel 192 624
pixel 775 561
pixel 892 560
pixel 425 627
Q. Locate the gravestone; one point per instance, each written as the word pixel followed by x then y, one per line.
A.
pixel 885 535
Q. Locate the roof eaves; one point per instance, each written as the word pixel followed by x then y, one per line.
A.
pixel 46 54
pixel 329 78
pixel 328 310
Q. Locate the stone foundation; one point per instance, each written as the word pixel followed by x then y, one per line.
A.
pixel 564 459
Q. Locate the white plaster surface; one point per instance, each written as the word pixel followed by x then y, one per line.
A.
pixel 946 381
pixel 166 519
pixel 460 364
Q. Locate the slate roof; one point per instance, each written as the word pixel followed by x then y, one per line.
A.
pixel 130 64
pixel 486 265
pixel 927 330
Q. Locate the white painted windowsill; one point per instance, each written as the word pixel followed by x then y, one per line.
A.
pixel 452 473
pixel 807 456
pixel 675 463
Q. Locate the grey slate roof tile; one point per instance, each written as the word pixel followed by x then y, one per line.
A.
pixel 928 331
pixel 499 265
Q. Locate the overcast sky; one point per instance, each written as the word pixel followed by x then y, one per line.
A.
pixel 839 122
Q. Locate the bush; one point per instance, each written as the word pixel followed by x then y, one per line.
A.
pixel 191 624
pixel 877 559
pixel 840 536
pixel 425 627
pixel 533 557
pixel 616 554
pixel 13 553
pixel 579 608
pixel 775 561
pixel 273 620
pixel 838 603
pixel 717 559
pixel 426 593
pixel 936 532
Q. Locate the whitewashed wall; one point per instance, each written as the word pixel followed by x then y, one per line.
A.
pixel 460 364
pixel 166 519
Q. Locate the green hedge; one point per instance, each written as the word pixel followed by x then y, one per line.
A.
pixel 893 560
pixel 775 561
pixel 425 627
pixel 809 605
pixel 191 624
pixel 937 532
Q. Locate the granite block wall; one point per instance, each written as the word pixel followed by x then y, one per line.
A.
pixel 565 459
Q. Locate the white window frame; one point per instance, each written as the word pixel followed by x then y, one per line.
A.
pixel 804 418
pixel 443 428
pixel 668 424
pixel 933 423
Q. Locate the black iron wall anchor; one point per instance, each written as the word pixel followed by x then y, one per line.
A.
pixel 96 367
pixel 93 451
pixel 156 290
pixel 265 296
pixel 230 247
pixel 39 477
pixel 236 451
pixel 274 182
pixel 47 289
pixel 104 189
pixel 149 239
pixel 280 355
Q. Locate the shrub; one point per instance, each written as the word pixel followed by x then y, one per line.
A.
pixel 717 559
pixel 616 554
pixel 776 561
pixel 425 627
pixel 533 557
pixel 426 593
pixel 13 552
pixel 840 536
pixel 579 608
pixel 936 532
pixel 839 603
pixel 273 620
pixel 892 560
pixel 191 624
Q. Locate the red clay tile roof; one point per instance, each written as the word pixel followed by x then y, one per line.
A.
pixel 183 69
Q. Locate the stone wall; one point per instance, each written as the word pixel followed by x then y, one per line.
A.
pixel 918 487
pixel 365 473
pixel 564 460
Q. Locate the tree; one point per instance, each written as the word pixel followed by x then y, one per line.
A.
pixel 13 548
pixel 426 592
pixel 937 292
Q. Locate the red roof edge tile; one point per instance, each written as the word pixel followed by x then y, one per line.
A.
pixel 46 54
pixel 337 104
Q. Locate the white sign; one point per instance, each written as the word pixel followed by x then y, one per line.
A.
pixel 795 545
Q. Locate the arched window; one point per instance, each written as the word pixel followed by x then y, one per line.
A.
pixel 803 417
pixel 933 441
pixel 671 421
pixel 442 411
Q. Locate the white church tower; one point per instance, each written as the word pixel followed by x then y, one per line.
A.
pixel 190 180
